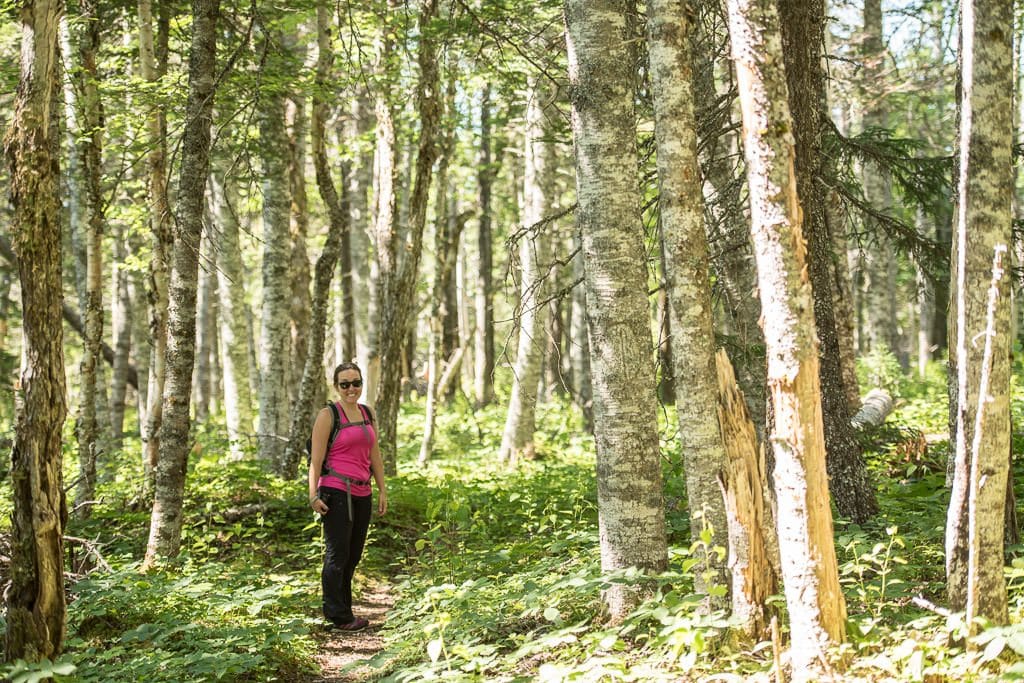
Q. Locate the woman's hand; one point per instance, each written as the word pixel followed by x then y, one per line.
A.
pixel 319 506
pixel 382 502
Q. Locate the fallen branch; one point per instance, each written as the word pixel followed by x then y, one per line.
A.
pixel 236 513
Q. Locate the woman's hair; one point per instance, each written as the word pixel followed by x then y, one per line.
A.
pixel 346 366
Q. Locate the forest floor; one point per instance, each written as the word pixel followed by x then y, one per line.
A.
pixel 343 657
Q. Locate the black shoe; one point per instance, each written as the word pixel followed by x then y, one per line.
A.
pixel 357 624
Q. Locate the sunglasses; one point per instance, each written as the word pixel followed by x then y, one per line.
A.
pixel 345 384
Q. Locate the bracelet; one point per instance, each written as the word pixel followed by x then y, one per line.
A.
pixel 314 499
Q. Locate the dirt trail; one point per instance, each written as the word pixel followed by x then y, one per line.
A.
pixel 341 653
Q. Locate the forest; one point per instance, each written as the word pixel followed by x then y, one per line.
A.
pixel 686 339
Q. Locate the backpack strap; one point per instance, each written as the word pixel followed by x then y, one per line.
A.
pixel 335 429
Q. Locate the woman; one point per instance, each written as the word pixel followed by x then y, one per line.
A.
pixel 339 490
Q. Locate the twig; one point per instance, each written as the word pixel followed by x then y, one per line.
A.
pixel 90 547
pixel 926 604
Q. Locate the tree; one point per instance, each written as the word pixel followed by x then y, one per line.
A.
pixel 681 203
pixel 809 569
pixel 974 526
pixel 276 305
pixel 538 172
pixel 803 25
pixel 90 151
pixel 397 285
pixel 35 599
pixel 339 225
pixel 166 520
pixel 629 487
pixel 153 65
pixel 483 334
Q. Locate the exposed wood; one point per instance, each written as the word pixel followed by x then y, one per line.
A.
pixel 743 481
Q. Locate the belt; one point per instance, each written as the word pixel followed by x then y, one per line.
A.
pixel 349 481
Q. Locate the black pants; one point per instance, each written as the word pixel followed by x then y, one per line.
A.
pixel 344 539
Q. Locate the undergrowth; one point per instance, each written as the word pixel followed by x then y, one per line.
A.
pixel 497 569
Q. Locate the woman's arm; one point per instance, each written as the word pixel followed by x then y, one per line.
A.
pixel 377 467
pixel 321 432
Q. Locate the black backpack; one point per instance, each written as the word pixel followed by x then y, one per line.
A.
pixel 336 426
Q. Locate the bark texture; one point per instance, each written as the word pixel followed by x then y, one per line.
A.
pixel 681 202
pixel 397 287
pixel 483 351
pixel 534 257
pixel 90 147
pixel 233 312
pixel 165 523
pixel 274 348
pixel 744 481
pixel 803 25
pixel 338 212
pixel 629 486
pixel 809 570
pixel 974 527
pixel 152 64
pixel 35 598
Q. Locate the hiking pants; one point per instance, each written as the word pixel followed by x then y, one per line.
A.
pixel 344 539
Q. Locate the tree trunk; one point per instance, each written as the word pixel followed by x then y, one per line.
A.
pixel 751 523
pixel 729 229
pixel 688 284
pixel 974 528
pixel 233 313
pixel 579 352
pixel 90 147
pixel 880 259
pixel 520 421
pixel 842 302
pixel 120 322
pixel 206 314
pixel 629 486
pixel 483 353
pixel 339 214
pixel 299 302
pixel 809 569
pixel 35 599
pixel 364 288
pixel 166 521
pixel 803 26
pixel 152 67
pixel 397 288
pixel 274 354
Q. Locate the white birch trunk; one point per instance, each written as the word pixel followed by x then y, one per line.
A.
pixel 688 283
pixel 233 314
pixel 809 569
pixel 629 486
pixel 520 421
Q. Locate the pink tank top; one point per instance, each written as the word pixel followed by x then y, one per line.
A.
pixel 349 455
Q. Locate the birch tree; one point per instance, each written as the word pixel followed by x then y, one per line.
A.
pixel 803 25
pixel 274 347
pixel 36 605
pixel 629 487
pixel 166 520
pixel 810 573
pixel 397 286
pixel 974 525
pixel 90 152
pixel 681 203
pixel 520 420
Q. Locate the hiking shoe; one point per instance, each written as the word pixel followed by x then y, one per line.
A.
pixel 357 624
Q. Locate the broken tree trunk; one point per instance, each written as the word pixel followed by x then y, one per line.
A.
pixel 751 522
